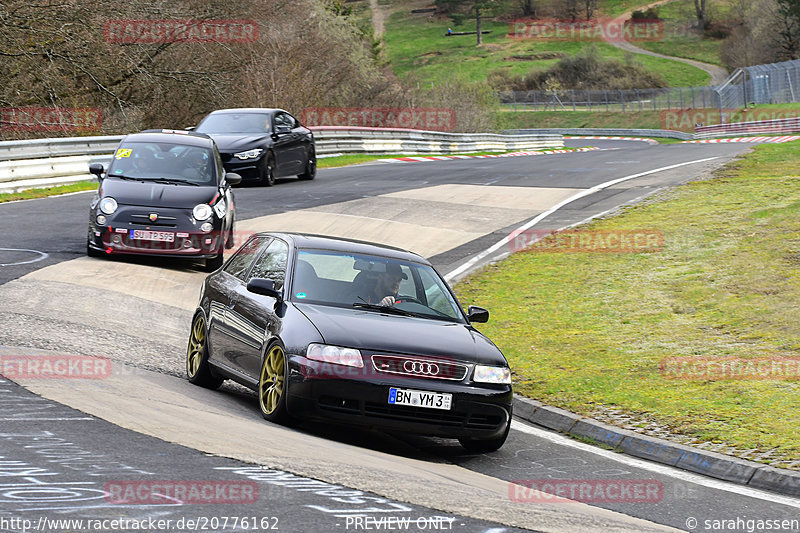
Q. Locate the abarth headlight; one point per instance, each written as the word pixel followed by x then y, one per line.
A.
pixel 108 205
pixel 201 211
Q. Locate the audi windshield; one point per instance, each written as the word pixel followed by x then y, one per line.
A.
pixel 377 283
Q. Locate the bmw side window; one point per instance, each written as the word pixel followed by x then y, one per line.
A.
pixel 241 262
pixel 272 263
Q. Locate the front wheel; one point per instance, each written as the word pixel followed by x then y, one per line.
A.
pixel 268 172
pixel 486 445
pixel 197 368
pixel 91 252
pixel 213 263
pixel 271 385
pixel 311 166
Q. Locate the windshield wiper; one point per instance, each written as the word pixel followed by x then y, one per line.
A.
pixel 126 178
pixel 383 309
pixel 175 180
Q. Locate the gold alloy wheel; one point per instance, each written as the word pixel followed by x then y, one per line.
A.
pixel 270 384
pixel 197 344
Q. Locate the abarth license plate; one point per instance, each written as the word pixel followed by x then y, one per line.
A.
pixel 419 398
pixel 145 235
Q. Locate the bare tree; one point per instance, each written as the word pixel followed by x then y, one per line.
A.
pixel 700 13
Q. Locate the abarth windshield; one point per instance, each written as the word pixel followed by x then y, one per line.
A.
pixel 164 162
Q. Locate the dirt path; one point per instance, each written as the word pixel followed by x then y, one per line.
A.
pixel 378 18
pixel 718 74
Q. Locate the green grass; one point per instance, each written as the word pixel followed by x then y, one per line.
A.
pixel 49 191
pixel 635 119
pixel 585 331
pixel 680 40
pixel 417 48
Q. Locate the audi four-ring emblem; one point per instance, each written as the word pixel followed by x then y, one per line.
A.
pixel 421 367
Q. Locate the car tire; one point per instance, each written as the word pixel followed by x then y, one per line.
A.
pixel 231 240
pixel 198 371
pixel 213 263
pixel 91 252
pixel 486 445
pixel 267 178
pixel 311 166
pixel 272 385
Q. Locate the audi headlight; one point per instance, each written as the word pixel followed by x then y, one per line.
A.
pixel 108 205
pixel 249 154
pixel 201 211
pixel 335 354
pixel 492 374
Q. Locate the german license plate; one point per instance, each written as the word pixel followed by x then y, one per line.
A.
pixel 146 235
pixel 419 398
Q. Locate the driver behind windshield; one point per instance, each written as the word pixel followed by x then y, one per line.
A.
pixel 386 285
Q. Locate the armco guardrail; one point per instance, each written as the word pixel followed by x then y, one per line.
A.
pixel 781 125
pixel 44 162
pixel 331 140
pixel 615 132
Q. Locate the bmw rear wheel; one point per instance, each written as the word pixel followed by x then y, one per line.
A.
pixel 271 385
pixel 197 368
pixel 311 166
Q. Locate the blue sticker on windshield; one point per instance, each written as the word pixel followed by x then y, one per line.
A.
pixel 301 295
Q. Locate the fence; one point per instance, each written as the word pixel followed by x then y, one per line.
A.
pixel 775 83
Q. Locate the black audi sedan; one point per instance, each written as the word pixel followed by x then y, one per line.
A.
pixel 262 144
pixel 350 332
pixel 165 193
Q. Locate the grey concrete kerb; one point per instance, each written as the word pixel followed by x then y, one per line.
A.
pixel 719 466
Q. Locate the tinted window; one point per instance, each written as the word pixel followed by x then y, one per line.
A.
pixel 235 123
pixel 164 160
pixel 343 279
pixel 272 263
pixel 241 262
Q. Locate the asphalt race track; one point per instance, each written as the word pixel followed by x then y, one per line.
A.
pixel 65 445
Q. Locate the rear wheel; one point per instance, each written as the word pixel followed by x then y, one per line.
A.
pixel 197 368
pixel 311 166
pixel 271 385
pixel 268 172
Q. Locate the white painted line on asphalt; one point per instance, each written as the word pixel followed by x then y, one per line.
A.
pixel 42 256
pixel 504 242
pixel 49 419
pixel 665 470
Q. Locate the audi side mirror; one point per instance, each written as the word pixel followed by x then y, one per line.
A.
pixel 477 314
pixel 264 287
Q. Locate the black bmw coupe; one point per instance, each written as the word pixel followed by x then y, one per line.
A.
pixel 350 332
pixel 262 144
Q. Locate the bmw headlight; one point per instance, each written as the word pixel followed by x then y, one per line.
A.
pixel 492 374
pixel 335 354
pixel 249 154
pixel 108 205
pixel 201 211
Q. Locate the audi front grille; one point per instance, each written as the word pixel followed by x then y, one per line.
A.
pixel 420 368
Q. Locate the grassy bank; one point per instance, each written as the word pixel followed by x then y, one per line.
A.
pixel 589 331
pixel 415 45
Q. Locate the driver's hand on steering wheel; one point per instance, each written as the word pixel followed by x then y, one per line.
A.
pixel 388 301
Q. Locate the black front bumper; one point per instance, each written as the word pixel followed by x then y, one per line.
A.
pixel 477 411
